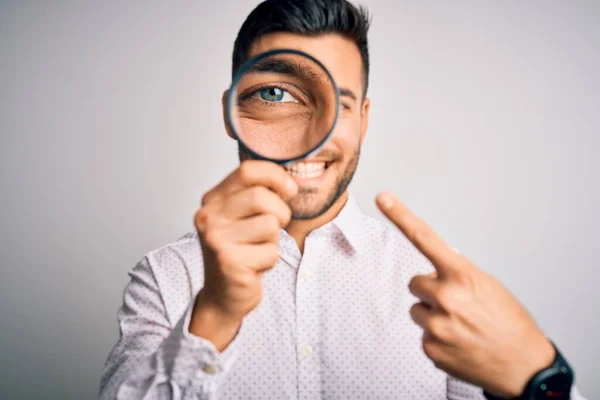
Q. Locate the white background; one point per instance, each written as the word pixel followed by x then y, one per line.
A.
pixel 484 121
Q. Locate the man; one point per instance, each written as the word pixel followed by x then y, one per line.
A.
pixel 287 290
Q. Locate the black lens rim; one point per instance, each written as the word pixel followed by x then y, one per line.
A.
pixel 232 89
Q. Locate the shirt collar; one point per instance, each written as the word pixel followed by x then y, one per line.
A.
pixel 349 223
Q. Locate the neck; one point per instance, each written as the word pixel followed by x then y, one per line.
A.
pixel 299 229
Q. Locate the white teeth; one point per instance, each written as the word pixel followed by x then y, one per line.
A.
pixel 306 170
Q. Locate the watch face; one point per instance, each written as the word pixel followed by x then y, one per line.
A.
pixel 555 387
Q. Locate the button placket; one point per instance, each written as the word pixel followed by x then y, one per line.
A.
pixel 307 319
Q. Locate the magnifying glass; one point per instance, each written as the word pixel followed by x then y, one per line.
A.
pixel 282 106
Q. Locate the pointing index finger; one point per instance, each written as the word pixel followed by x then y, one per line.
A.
pixel 443 258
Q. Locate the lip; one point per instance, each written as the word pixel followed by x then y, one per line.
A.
pixel 313 160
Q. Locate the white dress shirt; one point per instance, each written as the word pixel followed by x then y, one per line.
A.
pixel 333 323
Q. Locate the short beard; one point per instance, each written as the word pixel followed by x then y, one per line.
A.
pixel 339 188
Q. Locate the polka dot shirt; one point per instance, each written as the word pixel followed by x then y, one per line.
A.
pixel 333 323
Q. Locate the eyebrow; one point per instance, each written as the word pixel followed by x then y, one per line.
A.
pixel 348 93
pixel 285 67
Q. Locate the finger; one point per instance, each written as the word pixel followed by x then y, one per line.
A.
pixel 258 229
pixel 419 233
pixel 251 173
pixel 421 313
pixel 243 204
pixel 425 287
pixel 258 257
pixel 256 200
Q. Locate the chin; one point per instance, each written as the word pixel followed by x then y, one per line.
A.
pixel 312 203
pixel 308 204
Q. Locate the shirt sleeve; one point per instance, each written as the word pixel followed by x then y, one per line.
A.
pixel 459 390
pixel 155 360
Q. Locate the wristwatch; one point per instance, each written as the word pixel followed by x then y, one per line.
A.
pixel 553 382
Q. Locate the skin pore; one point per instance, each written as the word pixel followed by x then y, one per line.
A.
pixel 320 200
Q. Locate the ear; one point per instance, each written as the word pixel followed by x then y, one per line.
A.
pixel 364 118
pixel 224 103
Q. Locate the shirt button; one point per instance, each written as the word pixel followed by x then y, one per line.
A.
pixel 210 369
pixel 303 276
pixel 307 350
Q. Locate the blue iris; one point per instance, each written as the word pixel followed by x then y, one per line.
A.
pixel 272 94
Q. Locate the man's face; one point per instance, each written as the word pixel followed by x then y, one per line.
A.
pixel 341 153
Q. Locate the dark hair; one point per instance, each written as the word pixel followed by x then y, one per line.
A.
pixel 306 17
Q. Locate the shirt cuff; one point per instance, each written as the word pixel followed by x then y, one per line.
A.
pixel 194 361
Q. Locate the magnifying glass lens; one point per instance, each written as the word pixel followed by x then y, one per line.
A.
pixel 283 106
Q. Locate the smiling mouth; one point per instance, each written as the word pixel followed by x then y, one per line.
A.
pixel 308 170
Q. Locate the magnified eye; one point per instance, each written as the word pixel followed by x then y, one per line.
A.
pixel 276 95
